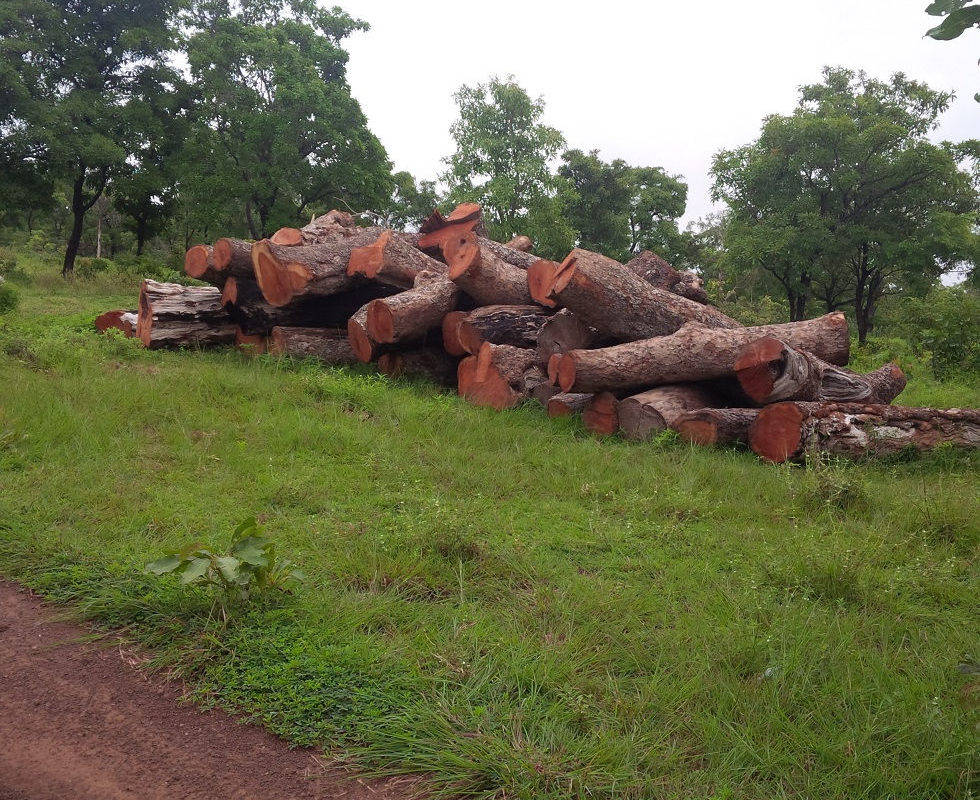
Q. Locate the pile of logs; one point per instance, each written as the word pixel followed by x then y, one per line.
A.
pixel 634 348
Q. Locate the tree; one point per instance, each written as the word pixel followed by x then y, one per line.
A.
pixel 502 157
pixel 410 203
pixel 958 15
pixel 275 116
pixel 846 199
pixel 76 75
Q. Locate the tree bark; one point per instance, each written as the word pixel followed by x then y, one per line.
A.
pixel 770 371
pixel 482 275
pixel 329 346
pixel 657 272
pixel 563 332
pixel 500 324
pixel 233 257
pixel 616 302
pixel 393 260
pixel 327 227
pixel 199 264
pixel 410 315
pixel 171 315
pixel 707 426
pixel 789 431
pixel 429 363
pixel 648 413
pixel 694 353
pixel 436 230
pixel 522 243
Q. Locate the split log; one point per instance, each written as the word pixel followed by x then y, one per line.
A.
pixel 436 230
pixel 694 353
pixel 252 344
pixel 120 320
pixel 284 273
pixel 540 278
pixel 788 431
pixel 616 302
pixel 171 315
pixel 429 363
pixel 601 414
pixel 645 414
pixel 500 324
pixel 482 275
pixel 564 404
pixel 393 260
pixel 770 370
pixel 657 272
pixel 410 315
pixel 329 346
pixel 233 257
pixel 199 264
pixel 563 332
pixel 707 426
pixel 497 376
pixel 522 243
pixel 332 225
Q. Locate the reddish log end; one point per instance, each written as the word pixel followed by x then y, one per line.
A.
pixel 197 260
pixel 380 322
pixel 522 243
pixel 563 275
pixel 461 252
pixel 250 344
pixel 450 333
pixel 110 319
pixel 229 293
pixel 360 341
pixel 758 365
pixel 600 414
pixel 698 431
pixel 777 432
pixel 278 281
pixel 287 237
pixel 222 253
pixel 368 260
pixel 540 278
pixel 565 371
pixel 554 363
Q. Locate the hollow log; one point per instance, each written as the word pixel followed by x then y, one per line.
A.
pixel 601 414
pixel 332 225
pixel 645 414
pixel 329 346
pixel 429 363
pixel 171 315
pixel 694 353
pixel 564 404
pixel 199 264
pixel 788 431
pixel 706 426
pixel 284 273
pixel 233 257
pixel 500 324
pixel 120 320
pixel 770 371
pixel 522 243
pixel 485 277
pixel 618 303
pixel 393 260
pixel 657 272
pixel 563 332
pixel 410 315
pixel 497 376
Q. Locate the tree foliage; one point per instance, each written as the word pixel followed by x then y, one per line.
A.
pixel 846 200
pixel 958 15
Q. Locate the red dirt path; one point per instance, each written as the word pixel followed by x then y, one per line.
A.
pixel 77 721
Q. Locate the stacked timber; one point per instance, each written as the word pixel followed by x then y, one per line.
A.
pixel 634 348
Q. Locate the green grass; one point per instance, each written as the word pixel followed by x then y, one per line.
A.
pixel 497 599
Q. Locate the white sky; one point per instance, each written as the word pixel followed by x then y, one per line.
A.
pixel 655 83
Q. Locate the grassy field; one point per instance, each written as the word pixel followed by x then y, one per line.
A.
pixel 498 599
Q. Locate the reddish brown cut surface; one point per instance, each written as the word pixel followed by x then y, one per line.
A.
pixel 600 415
pixel 540 278
pixel 279 282
pixel 380 322
pixel 253 344
pixel 196 260
pixel 758 365
pixel 118 319
pixel 287 237
pixel 450 333
pixel 777 431
pixel 462 252
pixel 369 259
pixel 362 344
pixel 699 431
pixel 78 721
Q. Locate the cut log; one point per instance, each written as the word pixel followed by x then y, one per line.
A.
pixel 450 333
pixel 500 324
pixel 171 315
pixel 436 230
pixel 329 346
pixel 706 426
pixel 770 370
pixel 199 264
pixel 540 278
pixel 657 272
pixel 617 303
pixel 233 257
pixel 564 404
pixel 410 315
pixel 120 320
pixel 365 348
pixel 522 243
pixel 643 415
pixel 601 414
pixel 392 260
pixel 429 363
pixel 284 273
pixel 252 344
pixel 545 390
pixel 497 376
pixel 481 274
pixel 788 431
pixel 332 225
pixel 694 353
pixel 563 332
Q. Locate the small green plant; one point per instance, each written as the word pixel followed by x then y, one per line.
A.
pixel 251 567
pixel 8 297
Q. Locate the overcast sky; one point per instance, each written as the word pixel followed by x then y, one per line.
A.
pixel 655 83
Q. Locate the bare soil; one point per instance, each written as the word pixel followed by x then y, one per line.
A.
pixel 79 720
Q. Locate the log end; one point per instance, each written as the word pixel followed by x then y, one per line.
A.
pixel 229 293
pixel 110 319
pixel 600 415
pixel 277 342
pixel 540 277
pixel 197 260
pixel 758 365
pixel 697 431
pixel 565 371
pixel 380 322
pixel 249 343
pixel 270 274
pixel 461 252
pixel 777 432
pixel 360 341
pixel 287 237
pixel 450 333
pixel 369 260
pixel 222 254
pixel 563 274
pixel 522 243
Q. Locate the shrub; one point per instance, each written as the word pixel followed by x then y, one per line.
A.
pixel 8 297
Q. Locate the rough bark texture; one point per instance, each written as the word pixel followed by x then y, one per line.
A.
pixel 601 414
pixel 563 332
pixel 694 353
pixel 498 376
pixel 788 431
pixel 393 260
pixel 429 363
pixel 483 275
pixel 233 257
pixel 770 371
pixel 646 414
pixel 329 346
pixel 410 315
pixel 284 273
pixel 522 243
pixel 120 320
pixel 657 272
pixel 707 426
pixel 498 324
pixel 171 315
pixel 199 264
pixel 616 302
pixel 332 225
pixel 564 404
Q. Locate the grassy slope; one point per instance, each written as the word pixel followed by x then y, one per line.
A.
pixel 499 599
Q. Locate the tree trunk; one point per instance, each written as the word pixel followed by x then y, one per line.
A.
pixel 78 209
pixel 565 404
pixel 332 225
pixel 601 414
pixel 694 353
pixel 498 324
pixel 410 315
pixel 770 371
pixel 329 346
pixel 563 332
pixel 233 257
pixel 199 264
pixel 392 259
pixel 252 344
pixel 498 376
pixel 171 315
pixel 616 302
pixel 648 413
pixel 788 431
pixel 428 363
pixel 482 275
pixel 657 272
pixel 707 426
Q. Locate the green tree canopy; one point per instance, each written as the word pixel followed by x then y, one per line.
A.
pixel 846 199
